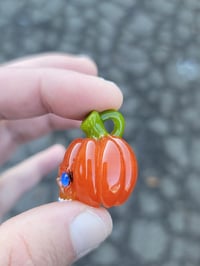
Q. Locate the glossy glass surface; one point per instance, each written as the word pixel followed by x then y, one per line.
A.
pixel 104 171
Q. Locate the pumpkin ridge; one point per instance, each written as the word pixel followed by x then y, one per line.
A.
pixel 91 172
pixel 112 191
pixel 100 145
pixel 131 165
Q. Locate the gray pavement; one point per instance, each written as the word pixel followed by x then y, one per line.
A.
pixel 150 48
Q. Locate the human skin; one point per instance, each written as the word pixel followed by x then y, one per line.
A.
pixel 36 96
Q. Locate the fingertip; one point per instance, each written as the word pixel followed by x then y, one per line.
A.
pixel 117 95
pixel 101 95
pixel 110 94
pixel 59 232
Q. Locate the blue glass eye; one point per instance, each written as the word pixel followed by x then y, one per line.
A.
pixel 65 179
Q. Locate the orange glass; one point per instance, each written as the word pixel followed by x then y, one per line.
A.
pixel 102 168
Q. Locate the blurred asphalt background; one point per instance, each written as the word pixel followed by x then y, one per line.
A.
pixel 150 48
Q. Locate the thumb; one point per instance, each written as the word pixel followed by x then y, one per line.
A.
pixel 54 234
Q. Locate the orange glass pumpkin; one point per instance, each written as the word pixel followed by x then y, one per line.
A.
pixel 100 169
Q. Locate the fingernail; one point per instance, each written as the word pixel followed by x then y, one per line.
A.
pixel 88 230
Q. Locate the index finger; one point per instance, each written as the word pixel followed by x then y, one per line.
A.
pixel 33 92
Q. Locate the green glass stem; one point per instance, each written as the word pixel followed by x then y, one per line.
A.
pixel 117 119
pixel 93 125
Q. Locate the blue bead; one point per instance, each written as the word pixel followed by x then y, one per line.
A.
pixel 65 179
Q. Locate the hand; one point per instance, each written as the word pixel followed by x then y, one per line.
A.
pixel 38 95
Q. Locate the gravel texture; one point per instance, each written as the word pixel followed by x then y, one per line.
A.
pixel 150 48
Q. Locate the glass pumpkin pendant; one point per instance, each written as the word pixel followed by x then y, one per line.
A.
pixel 101 169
